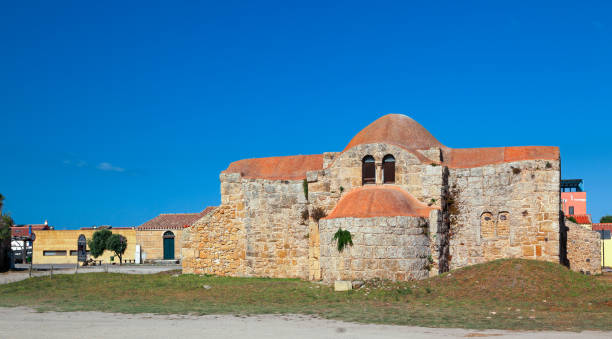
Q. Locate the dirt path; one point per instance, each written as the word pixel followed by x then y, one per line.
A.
pixel 13 276
pixel 26 323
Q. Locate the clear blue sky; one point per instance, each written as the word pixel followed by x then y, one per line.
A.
pixel 115 111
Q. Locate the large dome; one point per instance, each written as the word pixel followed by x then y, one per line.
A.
pixel 395 129
pixel 378 201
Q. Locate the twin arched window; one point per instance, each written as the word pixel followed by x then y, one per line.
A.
pixel 368 170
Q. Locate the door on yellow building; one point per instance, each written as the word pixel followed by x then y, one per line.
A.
pixel 168 245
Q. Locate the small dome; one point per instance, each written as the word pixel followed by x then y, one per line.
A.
pixel 378 201
pixel 395 129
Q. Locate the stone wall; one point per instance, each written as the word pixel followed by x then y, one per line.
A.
pixel 395 248
pixel 215 244
pixel 509 210
pixel 276 235
pixel 583 249
pixel 257 231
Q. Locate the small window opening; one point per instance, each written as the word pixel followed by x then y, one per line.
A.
pixel 389 169
pixel 368 170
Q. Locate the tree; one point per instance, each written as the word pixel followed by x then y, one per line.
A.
pixel 6 222
pixel 117 243
pixel 97 243
pixel 606 219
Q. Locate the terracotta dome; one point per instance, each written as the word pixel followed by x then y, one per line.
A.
pixel 378 201
pixel 395 129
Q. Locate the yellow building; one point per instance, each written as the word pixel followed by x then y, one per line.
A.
pixel 161 237
pixel 60 246
pixel 606 252
pixel 604 230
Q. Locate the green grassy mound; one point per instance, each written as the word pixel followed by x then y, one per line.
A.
pixel 505 294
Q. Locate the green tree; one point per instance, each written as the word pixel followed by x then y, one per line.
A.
pixel 6 222
pixel 97 243
pixel 606 219
pixel 117 243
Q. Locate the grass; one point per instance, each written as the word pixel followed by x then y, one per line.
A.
pixel 503 294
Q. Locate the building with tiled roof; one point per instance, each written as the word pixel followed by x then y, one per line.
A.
pixel 413 206
pixel 161 237
pixel 173 221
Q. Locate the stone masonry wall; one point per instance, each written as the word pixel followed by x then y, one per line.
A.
pixel 583 249
pixel 276 235
pixel 395 248
pixel 257 231
pixel 509 210
pixel 215 244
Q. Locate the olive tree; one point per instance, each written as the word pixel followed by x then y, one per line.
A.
pixel 117 243
pixel 97 243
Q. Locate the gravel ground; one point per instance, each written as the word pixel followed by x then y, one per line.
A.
pixel 25 323
pixel 13 276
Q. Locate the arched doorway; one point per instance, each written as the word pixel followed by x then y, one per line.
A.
pixel 168 245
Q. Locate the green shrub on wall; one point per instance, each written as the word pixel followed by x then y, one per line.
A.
pixel 343 238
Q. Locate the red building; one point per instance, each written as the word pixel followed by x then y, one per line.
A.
pixel 574 200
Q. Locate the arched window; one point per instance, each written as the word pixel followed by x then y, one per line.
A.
pixel 168 245
pixel 487 226
pixel 503 224
pixel 389 169
pixel 368 170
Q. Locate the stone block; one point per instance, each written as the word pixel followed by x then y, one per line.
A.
pixel 528 251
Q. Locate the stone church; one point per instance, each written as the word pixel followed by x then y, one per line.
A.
pixel 414 208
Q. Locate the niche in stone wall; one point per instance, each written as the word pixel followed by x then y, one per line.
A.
pixel 503 224
pixel 487 226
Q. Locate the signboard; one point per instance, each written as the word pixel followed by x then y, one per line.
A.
pixel 82 248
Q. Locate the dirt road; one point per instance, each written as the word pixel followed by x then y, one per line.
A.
pixel 13 276
pixel 26 323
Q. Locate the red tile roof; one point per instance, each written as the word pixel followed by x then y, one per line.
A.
pixel 582 218
pixel 476 157
pixel 393 129
pixel 174 221
pixel 23 230
pixel 277 168
pixel 602 227
pixel 377 201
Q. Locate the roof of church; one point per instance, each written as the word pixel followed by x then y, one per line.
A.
pixel 277 168
pixel 476 157
pixel 395 129
pixel 174 221
pixel 378 201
